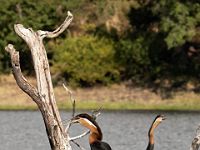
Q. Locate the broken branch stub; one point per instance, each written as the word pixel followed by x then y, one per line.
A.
pixel 43 94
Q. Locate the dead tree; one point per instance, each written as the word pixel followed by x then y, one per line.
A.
pixel 43 94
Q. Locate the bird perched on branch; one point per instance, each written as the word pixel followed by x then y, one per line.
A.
pixel 155 123
pixel 95 137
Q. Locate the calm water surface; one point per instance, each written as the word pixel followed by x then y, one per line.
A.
pixel 24 130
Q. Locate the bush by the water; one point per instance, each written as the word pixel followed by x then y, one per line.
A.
pixel 85 60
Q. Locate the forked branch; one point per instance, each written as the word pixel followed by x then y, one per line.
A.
pixel 95 114
pixel 43 95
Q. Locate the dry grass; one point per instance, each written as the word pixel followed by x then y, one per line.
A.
pixel 117 96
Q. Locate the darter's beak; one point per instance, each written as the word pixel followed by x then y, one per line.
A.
pixel 75 120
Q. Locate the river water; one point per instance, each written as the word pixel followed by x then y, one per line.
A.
pixel 123 130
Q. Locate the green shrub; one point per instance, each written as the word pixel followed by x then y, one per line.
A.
pixel 85 60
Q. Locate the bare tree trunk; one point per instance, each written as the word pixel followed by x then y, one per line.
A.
pixel 43 95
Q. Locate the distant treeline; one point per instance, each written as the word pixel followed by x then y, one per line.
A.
pixel 109 40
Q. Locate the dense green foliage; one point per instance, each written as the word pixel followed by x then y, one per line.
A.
pixel 86 60
pixel 109 41
pixel 177 20
pixel 35 14
pixel 163 33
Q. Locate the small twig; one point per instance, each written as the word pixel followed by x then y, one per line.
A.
pixel 79 136
pixel 78 145
pixel 96 113
pixel 73 101
pixel 68 126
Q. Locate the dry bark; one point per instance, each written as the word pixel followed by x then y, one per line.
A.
pixel 43 94
pixel 196 141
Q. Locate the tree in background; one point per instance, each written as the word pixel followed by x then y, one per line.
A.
pixel 37 14
pixel 163 42
pixel 137 39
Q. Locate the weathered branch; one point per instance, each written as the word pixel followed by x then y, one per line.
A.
pixel 196 141
pixel 43 94
pixel 20 79
pixel 59 30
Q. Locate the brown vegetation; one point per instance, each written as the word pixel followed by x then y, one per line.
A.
pixel 11 96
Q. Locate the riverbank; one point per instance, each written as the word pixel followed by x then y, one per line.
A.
pixel 114 97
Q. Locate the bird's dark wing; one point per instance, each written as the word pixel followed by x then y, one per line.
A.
pixel 106 146
pixel 100 146
pixel 150 147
